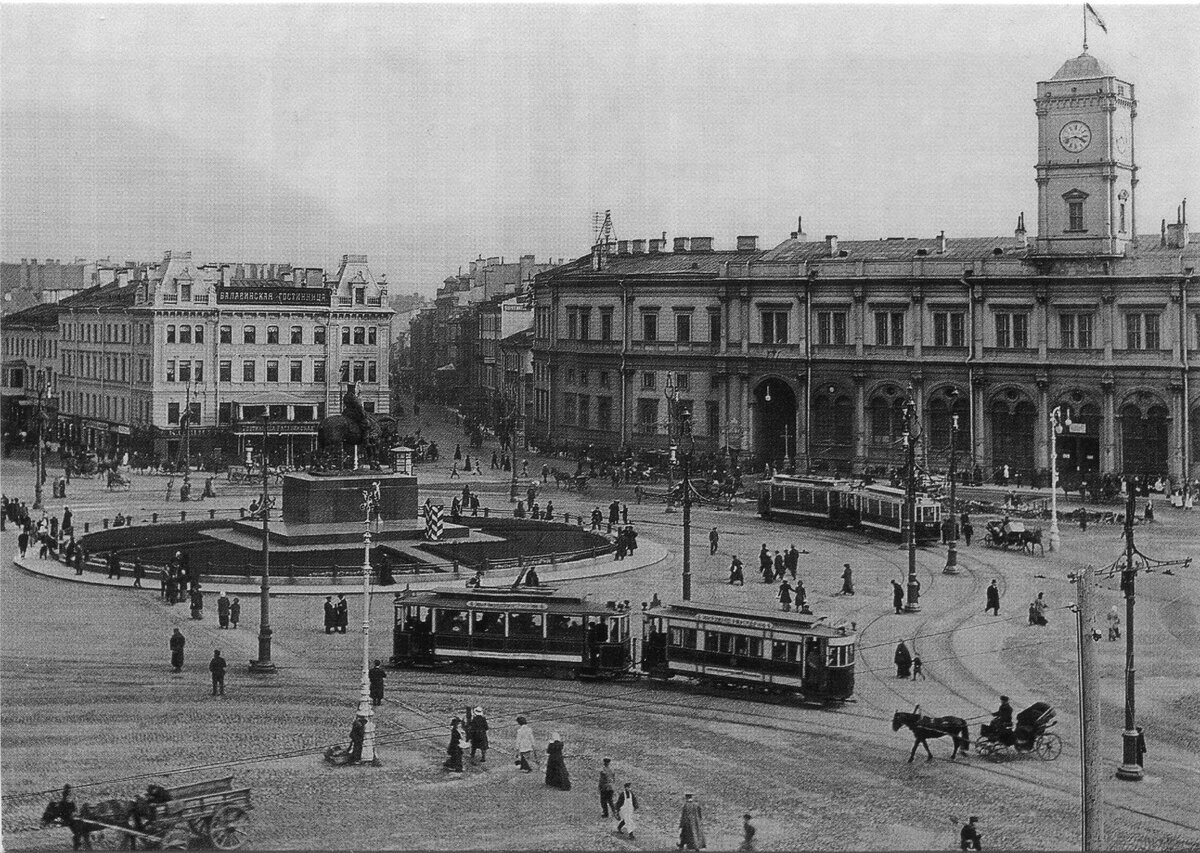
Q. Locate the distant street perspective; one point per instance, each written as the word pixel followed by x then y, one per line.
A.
pixel 487 514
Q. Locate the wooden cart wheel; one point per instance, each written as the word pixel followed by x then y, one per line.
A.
pixel 177 839
pixel 1048 747
pixel 227 829
pixel 108 839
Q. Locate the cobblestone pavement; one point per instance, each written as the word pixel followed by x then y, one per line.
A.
pixel 88 697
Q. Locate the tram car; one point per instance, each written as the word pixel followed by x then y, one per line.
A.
pixel 838 503
pixel 529 628
pixel 776 652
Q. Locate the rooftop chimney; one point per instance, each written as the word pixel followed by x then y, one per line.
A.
pixel 657 245
pixel 1020 232
pixel 681 244
pixel 800 235
pixel 747 243
pixel 831 243
pixel 1177 234
pixel 702 244
pixel 942 243
pixel 639 247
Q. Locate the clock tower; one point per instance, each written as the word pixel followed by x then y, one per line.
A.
pixel 1086 175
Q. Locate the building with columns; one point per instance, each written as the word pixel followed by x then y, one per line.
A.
pixel 804 353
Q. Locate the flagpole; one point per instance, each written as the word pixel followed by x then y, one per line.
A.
pixel 1085 28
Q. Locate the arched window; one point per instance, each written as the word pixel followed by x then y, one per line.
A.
pixel 1144 440
pixel 1014 422
pixel 887 415
pixel 832 420
pixel 942 408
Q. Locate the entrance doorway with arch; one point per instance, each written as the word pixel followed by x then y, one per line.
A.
pixel 1078 445
pixel 775 423
pixel 1014 420
pixel 1145 433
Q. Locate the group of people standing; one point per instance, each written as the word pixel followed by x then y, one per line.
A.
pixel 337 614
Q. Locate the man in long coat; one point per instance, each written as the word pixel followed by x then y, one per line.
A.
pixel 222 611
pixel 903 660
pixel 897 596
pixel 330 615
pixel 691 831
pixel 477 733
pixel 177 641
pixel 376 675
pixel 343 613
pixel 993 598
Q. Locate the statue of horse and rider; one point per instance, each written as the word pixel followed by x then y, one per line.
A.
pixel 373 435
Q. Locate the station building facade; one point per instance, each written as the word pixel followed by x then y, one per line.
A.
pixel 804 353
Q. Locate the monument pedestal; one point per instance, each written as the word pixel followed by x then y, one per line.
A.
pixel 337 498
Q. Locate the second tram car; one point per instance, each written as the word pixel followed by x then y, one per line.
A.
pixel 779 652
pixel 838 503
pixel 529 628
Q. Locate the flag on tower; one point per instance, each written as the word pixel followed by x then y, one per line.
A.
pixel 1095 16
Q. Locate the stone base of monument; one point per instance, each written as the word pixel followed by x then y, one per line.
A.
pixel 337 498
pixel 284 534
pixel 326 509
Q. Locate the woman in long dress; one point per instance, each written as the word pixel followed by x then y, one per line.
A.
pixel 903 660
pixel 454 753
pixel 556 768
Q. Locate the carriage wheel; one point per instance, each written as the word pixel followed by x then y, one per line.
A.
pixel 227 829
pixel 176 839
pixel 108 839
pixel 990 750
pixel 1048 747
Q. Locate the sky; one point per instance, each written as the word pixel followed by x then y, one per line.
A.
pixel 428 135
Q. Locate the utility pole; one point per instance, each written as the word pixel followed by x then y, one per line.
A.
pixel 264 662
pixel 1057 422
pixel 910 505
pixel 1091 791
pixel 952 546
pixel 371 505
pixel 1129 770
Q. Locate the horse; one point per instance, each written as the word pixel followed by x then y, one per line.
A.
pixel 1033 537
pixel 924 728
pixel 336 430
pixel 112 812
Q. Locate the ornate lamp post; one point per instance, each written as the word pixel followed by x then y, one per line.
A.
pixel 510 407
pixel 264 662
pixel 40 418
pixel 682 446
pixel 371 503
pixel 952 546
pixel 671 393
pixel 1058 419
pixel 910 504
pixel 185 425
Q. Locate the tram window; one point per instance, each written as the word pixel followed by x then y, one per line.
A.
pixel 614 630
pixel 488 623
pixel 712 641
pixel 564 627
pixel 840 655
pixel 525 624
pixel 782 650
pixel 452 621
pixel 683 638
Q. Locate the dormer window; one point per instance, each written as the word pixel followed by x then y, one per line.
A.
pixel 185 293
pixel 360 296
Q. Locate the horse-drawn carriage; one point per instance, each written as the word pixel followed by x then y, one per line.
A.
pixel 1013 534
pixel 201 814
pixel 1032 734
pixel 82 465
pixel 117 480
pixel 572 482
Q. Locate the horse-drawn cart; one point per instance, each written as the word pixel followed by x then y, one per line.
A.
pixel 210 813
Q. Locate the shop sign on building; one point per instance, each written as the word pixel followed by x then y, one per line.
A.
pixel 319 296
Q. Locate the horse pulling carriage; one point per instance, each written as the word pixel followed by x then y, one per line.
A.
pixel 1013 534
pixel 572 482
pixel 1032 734
pixel 117 480
pixel 201 814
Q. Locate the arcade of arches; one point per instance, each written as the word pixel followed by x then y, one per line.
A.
pixel 1016 433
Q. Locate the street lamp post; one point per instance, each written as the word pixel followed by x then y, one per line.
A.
pixel 510 393
pixel 187 434
pixel 1130 770
pixel 371 503
pixel 1058 419
pixel 43 393
pixel 681 450
pixel 910 505
pixel 952 546
pixel 264 662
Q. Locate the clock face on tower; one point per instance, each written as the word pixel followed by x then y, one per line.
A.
pixel 1075 136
